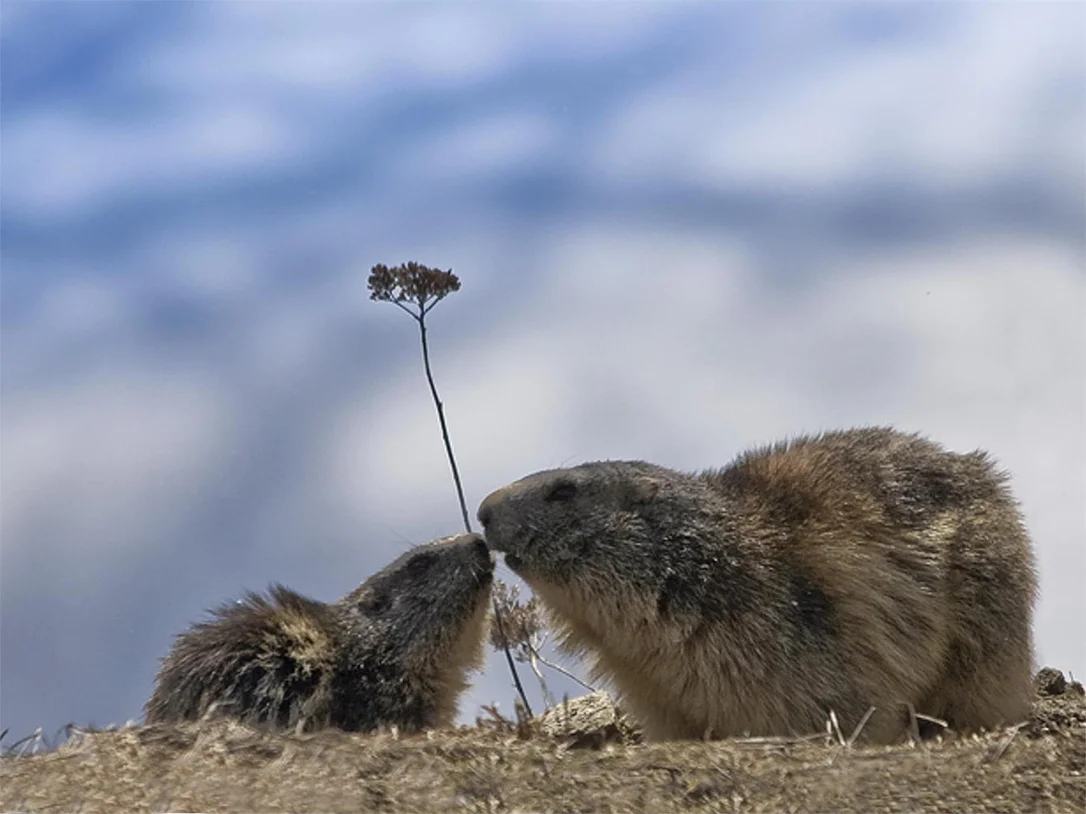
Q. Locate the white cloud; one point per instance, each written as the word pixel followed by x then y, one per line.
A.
pixel 246 88
pixel 202 264
pixel 77 307
pixel 82 308
pixel 71 160
pixel 332 51
pixel 374 49
pixel 479 148
pixel 254 87
pixel 95 472
pixel 993 93
pixel 995 324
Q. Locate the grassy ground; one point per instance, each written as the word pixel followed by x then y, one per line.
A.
pixel 1037 766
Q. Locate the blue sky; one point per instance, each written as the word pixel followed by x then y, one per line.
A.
pixel 682 229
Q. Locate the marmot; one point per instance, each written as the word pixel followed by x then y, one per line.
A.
pixel 856 568
pixel 393 652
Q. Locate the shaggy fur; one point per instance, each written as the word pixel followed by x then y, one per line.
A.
pixel 393 652
pixel 857 568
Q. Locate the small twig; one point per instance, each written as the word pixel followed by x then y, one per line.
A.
pixel 777 740
pixel 1004 745
pixel 914 724
pixel 859 727
pixel 32 741
pixel 496 719
pixel 835 728
pixel 559 668
pixel 933 720
pixel 533 660
pixel 509 655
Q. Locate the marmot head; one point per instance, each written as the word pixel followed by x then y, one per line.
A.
pixel 595 532
pixel 428 607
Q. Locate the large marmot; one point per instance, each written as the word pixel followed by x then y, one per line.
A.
pixel 393 652
pixel 857 568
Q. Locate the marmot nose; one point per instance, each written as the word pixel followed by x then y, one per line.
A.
pixel 481 548
pixel 485 513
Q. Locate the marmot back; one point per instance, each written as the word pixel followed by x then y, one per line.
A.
pixel 853 569
pixel 394 652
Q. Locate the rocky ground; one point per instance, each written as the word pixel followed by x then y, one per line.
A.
pixel 588 758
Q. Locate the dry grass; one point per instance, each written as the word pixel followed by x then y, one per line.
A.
pixel 500 766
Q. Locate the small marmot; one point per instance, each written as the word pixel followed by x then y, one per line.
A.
pixel 393 652
pixel 852 569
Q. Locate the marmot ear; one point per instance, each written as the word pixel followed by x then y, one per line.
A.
pixel 642 490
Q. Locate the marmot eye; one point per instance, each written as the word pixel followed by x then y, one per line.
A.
pixel 421 562
pixel 564 490
pixel 377 604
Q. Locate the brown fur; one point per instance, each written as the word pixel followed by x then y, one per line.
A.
pixel 857 568
pixel 394 652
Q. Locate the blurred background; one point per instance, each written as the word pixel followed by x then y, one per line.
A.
pixel 682 230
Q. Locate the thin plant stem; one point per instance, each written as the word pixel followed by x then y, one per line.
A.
pixel 441 419
pixel 421 319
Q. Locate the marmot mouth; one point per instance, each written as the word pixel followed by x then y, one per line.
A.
pixel 513 561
